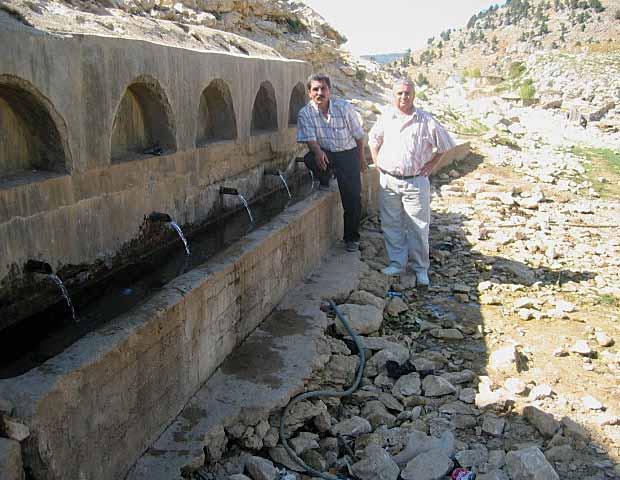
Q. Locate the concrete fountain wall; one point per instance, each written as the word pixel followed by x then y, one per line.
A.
pixel 78 115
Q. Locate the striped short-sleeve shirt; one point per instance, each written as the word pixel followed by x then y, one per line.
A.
pixel 336 132
pixel 407 142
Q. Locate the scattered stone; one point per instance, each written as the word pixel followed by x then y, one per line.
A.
pixel 504 359
pixel 13 429
pixel 364 319
pixel 591 403
pixel 407 385
pixel 581 347
pixel 419 442
pixel 376 464
pixel 352 427
pixel 395 306
pixel 493 475
pixel 447 333
pixel 467 395
pixel 529 464
pixel 215 444
pixel 437 386
pixel 360 297
pixel 432 465
pixel 493 425
pixel 516 386
pixel 603 339
pixel 260 468
pixel 457 378
pixel 304 441
pixel 540 391
pixel 560 453
pixel 544 422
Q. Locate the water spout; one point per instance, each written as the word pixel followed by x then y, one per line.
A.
pixel 177 229
pixel 228 191
pixel 301 160
pixel 279 174
pixel 165 218
pixel 234 191
pixel 44 268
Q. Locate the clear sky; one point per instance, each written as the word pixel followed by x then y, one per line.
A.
pixel 387 26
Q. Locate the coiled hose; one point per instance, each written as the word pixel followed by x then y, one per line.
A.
pixel 324 393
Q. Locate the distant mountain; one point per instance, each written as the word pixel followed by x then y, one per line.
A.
pixel 383 58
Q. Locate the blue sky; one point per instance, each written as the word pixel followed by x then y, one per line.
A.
pixel 385 26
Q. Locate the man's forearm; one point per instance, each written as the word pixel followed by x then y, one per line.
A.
pixel 361 145
pixel 315 147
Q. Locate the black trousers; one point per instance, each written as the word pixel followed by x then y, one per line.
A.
pixel 346 165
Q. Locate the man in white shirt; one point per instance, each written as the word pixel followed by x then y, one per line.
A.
pixel 407 144
pixel 335 137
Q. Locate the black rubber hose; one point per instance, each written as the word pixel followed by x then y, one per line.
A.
pixel 324 393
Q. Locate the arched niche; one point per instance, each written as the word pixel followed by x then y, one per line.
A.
pixel 265 110
pixel 216 114
pixel 297 101
pixel 143 123
pixel 30 130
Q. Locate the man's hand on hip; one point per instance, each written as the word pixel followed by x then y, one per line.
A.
pixel 321 159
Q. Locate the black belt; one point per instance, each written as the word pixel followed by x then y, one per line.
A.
pixel 395 175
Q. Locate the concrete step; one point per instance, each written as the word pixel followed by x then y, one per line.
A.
pixel 261 375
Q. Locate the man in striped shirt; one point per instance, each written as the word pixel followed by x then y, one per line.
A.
pixel 407 144
pixel 335 138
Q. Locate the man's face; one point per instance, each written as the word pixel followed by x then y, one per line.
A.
pixel 319 93
pixel 403 98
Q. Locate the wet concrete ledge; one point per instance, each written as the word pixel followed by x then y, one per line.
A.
pixel 261 375
pixel 93 409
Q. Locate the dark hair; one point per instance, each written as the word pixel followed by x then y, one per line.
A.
pixel 318 77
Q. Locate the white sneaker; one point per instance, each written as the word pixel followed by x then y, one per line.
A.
pixel 392 270
pixel 421 278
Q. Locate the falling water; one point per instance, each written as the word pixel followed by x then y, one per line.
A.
pixel 180 232
pixel 312 177
pixel 286 185
pixel 65 293
pixel 247 206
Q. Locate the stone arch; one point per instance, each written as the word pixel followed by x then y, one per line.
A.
pixel 296 102
pixel 265 110
pixel 33 136
pixel 143 123
pixel 216 114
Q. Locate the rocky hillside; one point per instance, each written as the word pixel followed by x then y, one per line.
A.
pixel 247 27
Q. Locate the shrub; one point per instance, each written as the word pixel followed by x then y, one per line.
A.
pixel 527 90
pixel 516 69
pixel 295 25
pixel 360 75
pixel 617 14
pixel 421 80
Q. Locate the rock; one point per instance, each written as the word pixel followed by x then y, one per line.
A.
pixel 603 339
pixel 504 359
pixel 364 319
pixel 437 386
pixel 376 413
pixel 540 391
pixel 529 464
pixel 340 370
pixel 496 460
pixel 376 464
pixel 11 467
pixel 591 403
pixel 432 465
pixel 353 427
pixel 314 459
pixel 304 441
pixel 544 422
pixel 493 425
pixel 516 386
pixel 574 430
pixel 493 475
pixel 215 444
pixel 390 402
pixel 457 378
pixel 472 457
pixel 396 306
pixel 6 407
pixel 360 297
pixel 375 283
pixel 419 442
pixel 238 476
pixel 301 412
pixel 467 395
pixel 376 364
pixel 279 455
pixel 260 468
pixel 379 343
pixel 407 385
pixel 581 347
pixel 447 333
pixel 560 453
pixel 323 422
pixel 13 429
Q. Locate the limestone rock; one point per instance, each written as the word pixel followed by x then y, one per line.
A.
pixel 353 427
pixel 364 319
pixel 304 441
pixel 447 333
pixel 279 455
pixel 504 359
pixel 544 422
pixel 493 425
pixel 340 370
pixel 419 442
pixel 13 429
pixel 376 464
pixel 407 385
pixel 215 443
pixel 376 413
pixel 361 297
pixel 529 464
pixel 376 364
pixel 431 465
pixel 560 453
pixel 260 468
pixel 437 386
pixel 395 306
pixel 493 475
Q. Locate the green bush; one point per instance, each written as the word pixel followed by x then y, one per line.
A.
pixel 516 69
pixel 527 90
pixel 421 80
pixel 360 75
pixel 295 25
pixel 422 96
